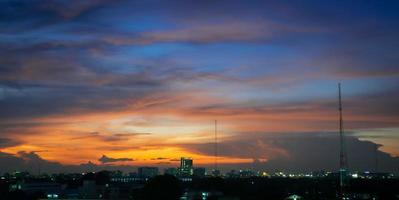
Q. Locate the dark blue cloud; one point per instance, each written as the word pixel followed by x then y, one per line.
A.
pixel 6 142
pixel 105 159
pixel 301 152
pixel 33 163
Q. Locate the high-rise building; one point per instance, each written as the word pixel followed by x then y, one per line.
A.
pixel 147 172
pixel 186 166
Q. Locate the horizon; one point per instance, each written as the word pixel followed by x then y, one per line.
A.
pixel 117 84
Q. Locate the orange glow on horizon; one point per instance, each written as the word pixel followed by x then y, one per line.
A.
pixel 145 133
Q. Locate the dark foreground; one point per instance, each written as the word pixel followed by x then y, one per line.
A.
pixel 101 186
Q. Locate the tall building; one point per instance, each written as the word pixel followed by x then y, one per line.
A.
pixel 186 166
pixel 147 172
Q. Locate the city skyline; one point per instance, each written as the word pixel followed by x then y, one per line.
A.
pixel 120 84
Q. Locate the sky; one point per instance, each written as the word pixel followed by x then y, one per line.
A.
pixel 112 84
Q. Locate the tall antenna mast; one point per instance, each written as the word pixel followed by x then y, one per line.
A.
pixel 216 145
pixel 342 154
pixel 376 158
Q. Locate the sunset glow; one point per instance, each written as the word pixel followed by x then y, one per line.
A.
pixel 143 82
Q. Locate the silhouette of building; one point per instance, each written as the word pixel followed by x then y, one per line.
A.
pixel 50 189
pixel 186 167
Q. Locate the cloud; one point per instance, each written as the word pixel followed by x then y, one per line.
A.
pixel 65 100
pixel 282 151
pixel 300 152
pixel 68 10
pixel 104 159
pixel 368 110
pixel 6 142
pixel 159 158
pixel 29 161
pixel 107 137
pixel 126 135
pixel 33 163
pixel 32 15
pixel 202 33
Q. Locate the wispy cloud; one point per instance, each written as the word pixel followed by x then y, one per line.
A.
pixel 106 159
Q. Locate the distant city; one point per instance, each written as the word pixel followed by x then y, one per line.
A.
pixel 192 183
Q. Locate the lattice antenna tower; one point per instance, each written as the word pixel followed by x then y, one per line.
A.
pixel 343 163
pixel 216 144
